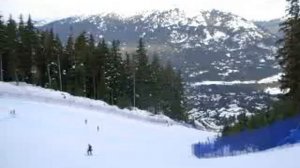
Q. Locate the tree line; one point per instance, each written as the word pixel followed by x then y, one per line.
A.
pixel 289 59
pixel 84 67
pixel 279 110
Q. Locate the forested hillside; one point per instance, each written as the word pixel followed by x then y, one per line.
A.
pixel 84 67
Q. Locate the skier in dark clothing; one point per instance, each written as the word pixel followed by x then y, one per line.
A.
pixel 89 150
pixel 13 113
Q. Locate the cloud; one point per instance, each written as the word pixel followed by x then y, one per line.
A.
pixel 53 9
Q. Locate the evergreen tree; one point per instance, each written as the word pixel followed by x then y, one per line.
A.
pixel 81 51
pixel 68 66
pixel 22 69
pixel 173 94
pixel 102 53
pixel 58 53
pixel 288 54
pixel 143 93
pixel 42 60
pixel 113 70
pixel 27 45
pixel 2 48
pixel 156 79
pixel 50 52
pixel 167 93
pixel 11 50
pixel 127 82
pixel 178 103
pixel 31 44
pixel 91 68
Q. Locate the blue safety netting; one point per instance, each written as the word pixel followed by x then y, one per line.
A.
pixel 280 133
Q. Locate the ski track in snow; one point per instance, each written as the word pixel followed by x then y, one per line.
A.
pixel 52 135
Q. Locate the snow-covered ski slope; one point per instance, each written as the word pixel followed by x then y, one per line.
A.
pixel 48 131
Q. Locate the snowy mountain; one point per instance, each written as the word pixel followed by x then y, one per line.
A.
pixel 48 130
pixel 209 46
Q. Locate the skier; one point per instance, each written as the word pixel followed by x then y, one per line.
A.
pixel 13 112
pixel 98 128
pixel 85 121
pixel 89 150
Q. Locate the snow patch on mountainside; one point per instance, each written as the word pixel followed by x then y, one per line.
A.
pixel 236 82
pixel 275 91
pixel 232 110
pixel 271 79
pixel 194 74
pixel 268 80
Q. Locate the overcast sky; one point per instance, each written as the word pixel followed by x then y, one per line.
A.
pixel 55 9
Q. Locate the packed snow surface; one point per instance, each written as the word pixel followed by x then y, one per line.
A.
pixel 49 131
